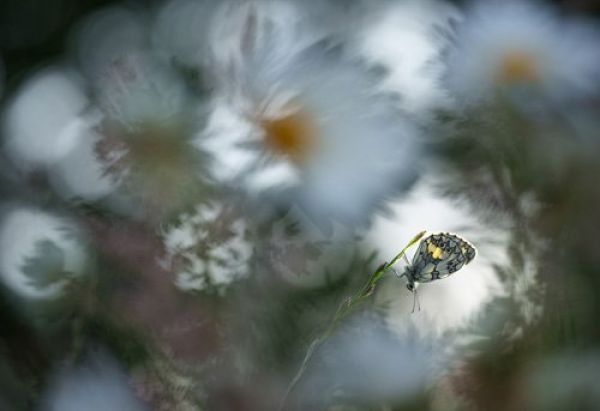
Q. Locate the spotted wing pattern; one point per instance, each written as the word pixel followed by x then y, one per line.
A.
pixel 440 255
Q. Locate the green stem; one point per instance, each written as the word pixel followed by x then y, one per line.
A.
pixel 345 308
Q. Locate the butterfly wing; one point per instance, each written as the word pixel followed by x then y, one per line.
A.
pixel 440 255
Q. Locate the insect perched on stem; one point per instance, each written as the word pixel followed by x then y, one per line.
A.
pixel 438 256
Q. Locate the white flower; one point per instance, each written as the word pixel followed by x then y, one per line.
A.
pixel 521 47
pixel 146 132
pixel 366 360
pixel 423 208
pixel 39 253
pixel 39 131
pixel 59 138
pixel 140 151
pixel 97 384
pixel 207 248
pixel 297 120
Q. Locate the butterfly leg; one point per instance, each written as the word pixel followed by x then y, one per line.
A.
pixel 416 302
pixel 396 272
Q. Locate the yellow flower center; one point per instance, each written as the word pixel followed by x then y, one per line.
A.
pixel 161 165
pixel 292 136
pixel 158 150
pixel 518 67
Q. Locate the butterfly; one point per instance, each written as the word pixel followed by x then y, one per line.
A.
pixel 438 256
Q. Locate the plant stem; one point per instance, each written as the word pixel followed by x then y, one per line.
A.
pixel 345 308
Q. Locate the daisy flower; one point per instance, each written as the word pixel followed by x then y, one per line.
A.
pixel 146 135
pixel 521 47
pixel 297 122
pixel 147 115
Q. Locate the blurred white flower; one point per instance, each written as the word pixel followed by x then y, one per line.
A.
pixel 297 121
pixel 98 384
pixel 39 252
pixel 208 249
pixel 467 291
pixel 147 116
pixel 523 49
pixel 366 360
pixel 146 131
pixel 44 121
pixel 61 138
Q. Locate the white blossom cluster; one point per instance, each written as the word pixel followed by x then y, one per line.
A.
pixel 208 248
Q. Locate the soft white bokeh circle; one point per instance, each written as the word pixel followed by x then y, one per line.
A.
pixel 21 231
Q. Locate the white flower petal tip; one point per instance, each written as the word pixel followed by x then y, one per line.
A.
pixel 407 38
pixel 39 132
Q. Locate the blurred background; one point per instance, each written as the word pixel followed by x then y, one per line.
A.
pixel 192 190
